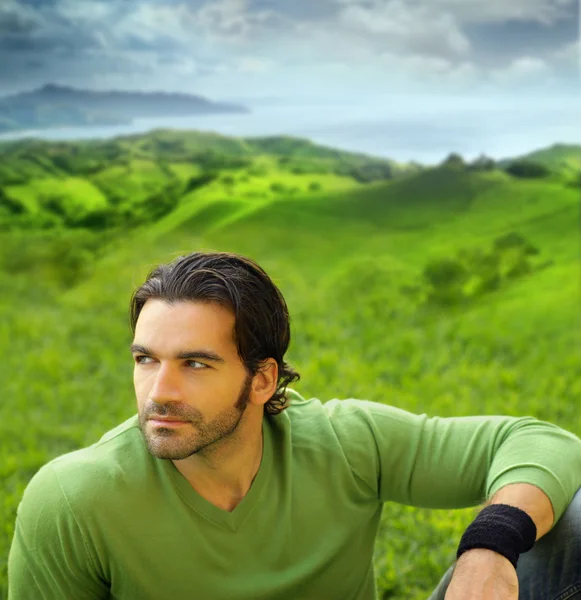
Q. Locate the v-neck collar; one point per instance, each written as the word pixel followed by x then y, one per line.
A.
pixel 222 518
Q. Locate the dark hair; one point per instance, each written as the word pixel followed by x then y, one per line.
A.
pixel 262 322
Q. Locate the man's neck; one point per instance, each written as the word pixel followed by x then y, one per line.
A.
pixel 224 476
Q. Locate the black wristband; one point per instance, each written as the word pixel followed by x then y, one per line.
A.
pixel 502 528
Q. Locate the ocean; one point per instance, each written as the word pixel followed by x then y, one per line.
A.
pixel 422 131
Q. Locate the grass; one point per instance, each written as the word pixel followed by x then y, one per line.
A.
pixel 345 258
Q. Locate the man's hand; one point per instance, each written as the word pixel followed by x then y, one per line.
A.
pixel 482 574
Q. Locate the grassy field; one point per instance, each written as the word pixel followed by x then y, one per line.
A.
pixel 450 291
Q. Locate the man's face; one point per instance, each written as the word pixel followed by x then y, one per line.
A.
pixel 187 367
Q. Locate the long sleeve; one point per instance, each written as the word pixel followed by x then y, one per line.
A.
pixel 455 462
pixel 49 558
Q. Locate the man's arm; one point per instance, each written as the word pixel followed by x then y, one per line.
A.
pixel 458 462
pixel 455 462
pixel 49 558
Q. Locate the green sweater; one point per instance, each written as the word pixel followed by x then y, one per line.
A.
pixel 112 521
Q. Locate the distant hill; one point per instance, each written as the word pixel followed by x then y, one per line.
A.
pixel 60 106
pixel 134 179
pixel 564 159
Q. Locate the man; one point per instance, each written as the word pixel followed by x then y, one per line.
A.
pixel 224 486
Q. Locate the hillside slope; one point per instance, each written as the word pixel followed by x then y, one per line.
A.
pixel 144 177
pixel 563 159
pixel 447 291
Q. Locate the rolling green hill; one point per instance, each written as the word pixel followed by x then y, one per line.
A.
pixel 450 291
pixel 137 179
pixel 562 159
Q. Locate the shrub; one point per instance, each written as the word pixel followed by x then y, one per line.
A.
pixel 258 171
pixel 277 187
pixel 527 169
pixel 200 181
pixel 454 160
pixel 446 278
pixel 445 272
pixel 482 163
pixel 514 240
pixel 368 172
pixel 15 208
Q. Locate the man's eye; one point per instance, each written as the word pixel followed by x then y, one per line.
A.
pixel 192 363
pixel 142 360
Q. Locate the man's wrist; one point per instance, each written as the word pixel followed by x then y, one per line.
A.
pixel 484 564
pixel 482 570
pixel 482 556
pixel 505 529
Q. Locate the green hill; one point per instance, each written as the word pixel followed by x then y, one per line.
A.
pixel 449 290
pixel 561 159
pixel 555 155
pixel 141 178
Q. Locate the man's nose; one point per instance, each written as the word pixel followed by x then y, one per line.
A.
pixel 166 387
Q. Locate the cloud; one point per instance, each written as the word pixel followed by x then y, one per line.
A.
pixel 225 21
pixel 84 12
pixel 569 55
pixel 526 69
pixel 186 44
pixel 480 11
pixel 419 71
pixel 250 64
pixel 16 19
pixel 499 11
pixel 397 23
pixel 231 18
pixel 113 42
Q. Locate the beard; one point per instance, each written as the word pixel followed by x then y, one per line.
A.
pixel 194 437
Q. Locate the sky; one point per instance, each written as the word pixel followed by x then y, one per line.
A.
pixel 284 50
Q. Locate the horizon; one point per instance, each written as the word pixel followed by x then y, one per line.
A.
pixel 419 139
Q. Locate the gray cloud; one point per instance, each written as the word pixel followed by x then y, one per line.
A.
pixel 397 25
pixel 481 11
pixel 226 44
pixel 18 20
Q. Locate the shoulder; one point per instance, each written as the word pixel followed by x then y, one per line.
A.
pixel 360 428
pixel 348 412
pixel 357 433
pixel 86 474
pixel 115 448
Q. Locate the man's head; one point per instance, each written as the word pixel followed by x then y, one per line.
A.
pixel 210 334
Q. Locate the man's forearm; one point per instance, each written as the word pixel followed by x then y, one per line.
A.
pixel 532 500
pixel 483 573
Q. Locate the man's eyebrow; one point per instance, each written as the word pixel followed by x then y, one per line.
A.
pixel 190 354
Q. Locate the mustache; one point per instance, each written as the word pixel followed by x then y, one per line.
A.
pixel 153 410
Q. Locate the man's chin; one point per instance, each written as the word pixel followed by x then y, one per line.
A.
pixel 166 452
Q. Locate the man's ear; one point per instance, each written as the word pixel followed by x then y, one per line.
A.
pixel 265 381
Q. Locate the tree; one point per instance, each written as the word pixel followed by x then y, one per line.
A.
pixel 10 205
pixel 277 187
pixel 527 169
pixel 201 180
pixel 514 240
pixel 446 277
pixel 482 163
pixel 454 160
